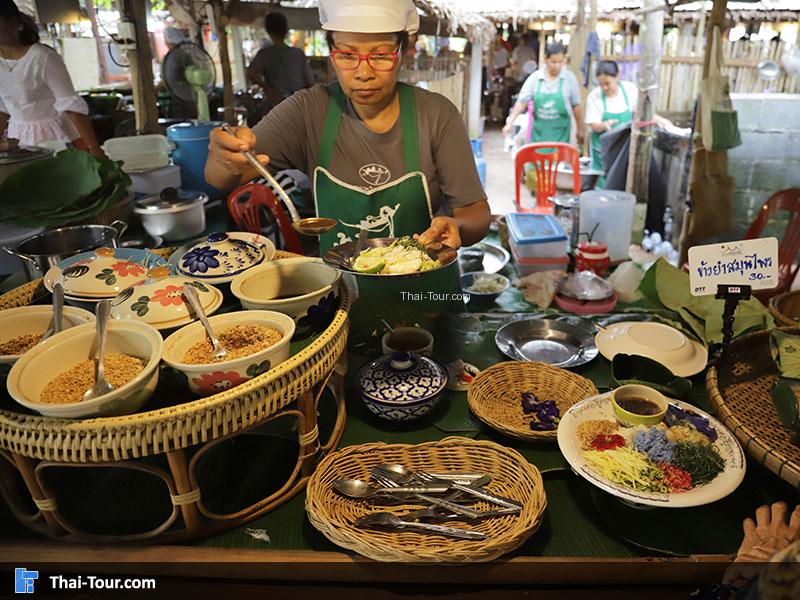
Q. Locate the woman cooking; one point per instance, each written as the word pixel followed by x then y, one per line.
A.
pixel 611 104
pixel 556 100
pixel 390 158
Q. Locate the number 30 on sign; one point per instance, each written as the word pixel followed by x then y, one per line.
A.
pixel 746 262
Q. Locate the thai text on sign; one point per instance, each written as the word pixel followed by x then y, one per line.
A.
pixel 745 262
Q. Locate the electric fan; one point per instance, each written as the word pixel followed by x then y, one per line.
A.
pixel 189 74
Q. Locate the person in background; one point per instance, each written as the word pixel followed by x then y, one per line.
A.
pixel 610 104
pixel 445 51
pixel 521 55
pixel 279 69
pixel 556 100
pixel 501 56
pixel 173 37
pixel 37 100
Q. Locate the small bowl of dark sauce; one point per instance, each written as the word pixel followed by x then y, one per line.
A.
pixel 638 405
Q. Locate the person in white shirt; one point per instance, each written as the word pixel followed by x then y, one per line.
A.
pixel 501 56
pixel 522 55
pixel 611 104
pixel 37 100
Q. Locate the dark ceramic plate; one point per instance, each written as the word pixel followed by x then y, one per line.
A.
pixel 341 257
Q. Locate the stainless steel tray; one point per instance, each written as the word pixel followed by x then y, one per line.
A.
pixel 494 257
pixel 548 341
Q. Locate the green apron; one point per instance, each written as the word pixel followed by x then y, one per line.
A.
pixel 626 116
pixel 397 208
pixel 551 117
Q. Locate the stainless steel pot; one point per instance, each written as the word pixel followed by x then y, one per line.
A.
pixel 173 215
pixel 15 157
pixel 568 213
pixel 42 251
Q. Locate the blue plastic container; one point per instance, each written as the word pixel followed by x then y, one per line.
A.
pixel 190 154
pixel 480 163
pixel 536 236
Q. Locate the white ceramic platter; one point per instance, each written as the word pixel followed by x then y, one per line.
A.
pixel 599 407
pixel 662 343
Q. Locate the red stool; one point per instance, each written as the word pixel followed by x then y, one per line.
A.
pixel 545 157
pixel 244 205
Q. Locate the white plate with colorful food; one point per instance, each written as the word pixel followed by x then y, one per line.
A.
pixel 687 459
pixel 390 257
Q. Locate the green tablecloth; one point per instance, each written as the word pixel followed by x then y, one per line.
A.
pixel 580 520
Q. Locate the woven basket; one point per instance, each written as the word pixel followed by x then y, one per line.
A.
pixel 786 308
pixel 495 396
pixel 512 476
pixel 740 392
pixel 173 427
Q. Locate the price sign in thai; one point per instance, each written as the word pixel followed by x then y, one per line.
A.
pixel 746 262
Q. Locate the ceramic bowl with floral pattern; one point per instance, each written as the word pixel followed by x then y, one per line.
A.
pixel 103 273
pixel 220 257
pixel 213 378
pixel 159 300
pixel 304 288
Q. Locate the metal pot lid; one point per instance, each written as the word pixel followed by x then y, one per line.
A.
pixel 567 201
pixel 585 285
pixel 18 154
pixel 220 255
pixel 170 200
pixel 402 378
pixel 159 301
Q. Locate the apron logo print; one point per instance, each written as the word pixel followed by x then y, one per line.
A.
pixel 384 220
pixel 375 174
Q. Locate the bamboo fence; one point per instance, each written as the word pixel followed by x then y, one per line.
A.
pixel 682 67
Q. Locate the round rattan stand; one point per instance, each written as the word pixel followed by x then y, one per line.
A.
pixel 180 434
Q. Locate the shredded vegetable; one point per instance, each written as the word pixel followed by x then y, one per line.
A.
pixel 702 462
pixel 628 467
pixel 402 256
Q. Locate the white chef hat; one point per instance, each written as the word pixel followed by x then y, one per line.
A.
pixel 369 16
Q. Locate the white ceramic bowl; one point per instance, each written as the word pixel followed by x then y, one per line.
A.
pixel 22 320
pixel 304 288
pixel 37 367
pixel 209 379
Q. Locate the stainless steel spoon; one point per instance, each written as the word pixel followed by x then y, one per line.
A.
pixel 191 295
pixel 408 475
pixel 309 226
pixel 387 519
pixel 101 386
pixel 355 488
pixel 58 304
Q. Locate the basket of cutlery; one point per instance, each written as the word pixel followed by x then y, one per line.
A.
pixel 456 500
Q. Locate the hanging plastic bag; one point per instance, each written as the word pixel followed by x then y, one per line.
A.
pixel 719 122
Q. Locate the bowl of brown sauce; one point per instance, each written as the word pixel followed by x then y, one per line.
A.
pixel 638 405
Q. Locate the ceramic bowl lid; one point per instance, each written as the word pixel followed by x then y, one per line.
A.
pixel 159 301
pixel 402 378
pixel 220 255
pixel 102 273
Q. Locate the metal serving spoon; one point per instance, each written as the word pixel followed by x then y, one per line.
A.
pixel 308 226
pixel 355 488
pixel 101 385
pixel 404 476
pixel 191 295
pixel 389 520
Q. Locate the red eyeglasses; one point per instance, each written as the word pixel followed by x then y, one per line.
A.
pixel 379 61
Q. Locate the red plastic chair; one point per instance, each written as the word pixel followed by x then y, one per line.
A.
pixel 545 157
pixel 244 206
pixel 789 243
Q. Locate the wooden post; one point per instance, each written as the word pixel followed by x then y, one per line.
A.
pixel 141 67
pixel 240 79
pixel 221 19
pixel 651 34
pixel 101 56
pixel 475 88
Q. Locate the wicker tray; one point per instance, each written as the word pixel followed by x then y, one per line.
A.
pixel 183 432
pixel 512 476
pixel 740 392
pixel 786 308
pixel 495 395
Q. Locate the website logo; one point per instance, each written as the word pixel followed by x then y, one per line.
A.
pixel 24 580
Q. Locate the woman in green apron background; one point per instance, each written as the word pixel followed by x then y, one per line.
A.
pixel 384 156
pixel 556 99
pixel 611 104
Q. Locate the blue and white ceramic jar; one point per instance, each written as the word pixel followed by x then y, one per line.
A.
pixel 219 256
pixel 402 386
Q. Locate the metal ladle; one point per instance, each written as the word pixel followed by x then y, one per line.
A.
pixel 307 226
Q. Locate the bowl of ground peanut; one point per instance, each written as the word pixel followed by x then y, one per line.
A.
pixel 22 328
pixel 52 377
pixel 254 341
